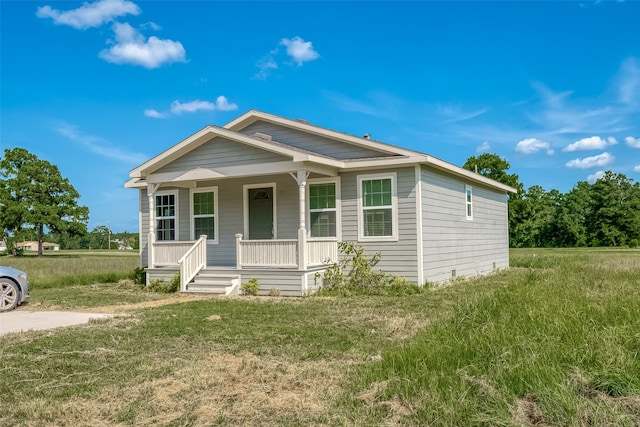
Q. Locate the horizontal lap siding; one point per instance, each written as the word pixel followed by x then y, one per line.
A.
pixel 220 152
pixel 453 242
pixel 311 142
pixel 396 257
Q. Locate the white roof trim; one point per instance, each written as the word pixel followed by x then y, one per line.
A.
pixel 209 132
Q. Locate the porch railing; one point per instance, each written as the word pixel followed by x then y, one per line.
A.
pixel 321 251
pixel 283 253
pixel 168 253
pixel 192 262
pixel 266 253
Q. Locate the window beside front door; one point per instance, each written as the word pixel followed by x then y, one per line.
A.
pixel 204 207
pixel 166 216
pixel 323 210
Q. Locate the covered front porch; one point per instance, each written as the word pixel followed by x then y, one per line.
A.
pixel 263 206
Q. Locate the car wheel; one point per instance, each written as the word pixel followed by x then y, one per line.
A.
pixel 9 294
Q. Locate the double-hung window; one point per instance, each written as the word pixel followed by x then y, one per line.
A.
pixel 469 201
pixel 166 211
pixel 323 211
pixel 377 200
pixel 204 212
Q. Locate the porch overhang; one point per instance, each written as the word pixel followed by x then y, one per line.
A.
pixel 182 178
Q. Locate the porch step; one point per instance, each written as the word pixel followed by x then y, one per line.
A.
pixel 212 283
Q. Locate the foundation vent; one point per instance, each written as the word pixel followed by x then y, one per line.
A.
pixel 453 273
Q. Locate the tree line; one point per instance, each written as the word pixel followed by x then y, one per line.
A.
pixel 605 213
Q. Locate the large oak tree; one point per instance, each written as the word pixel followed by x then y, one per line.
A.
pixel 33 195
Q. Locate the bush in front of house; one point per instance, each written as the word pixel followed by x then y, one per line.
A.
pixel 161 286
pixel 250 288
pixel 353 274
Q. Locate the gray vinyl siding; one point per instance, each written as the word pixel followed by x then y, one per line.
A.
pixel 397 257
pixel 220 152
pixel 317 144
pixel 450 241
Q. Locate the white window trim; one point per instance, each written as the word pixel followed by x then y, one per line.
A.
pixel 176 216
pixel 467 203
pixel 192 216
pixel 336 181
pixel 245 208
pixel 394 208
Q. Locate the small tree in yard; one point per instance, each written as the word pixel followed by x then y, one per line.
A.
pixel 33 195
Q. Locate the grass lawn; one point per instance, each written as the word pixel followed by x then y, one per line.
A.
pixel 553 341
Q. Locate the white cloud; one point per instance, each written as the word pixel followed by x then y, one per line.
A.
pixel 98 145
pixel 533 145
pixel 299 50
pixel 636 169
pixel 223 104
pixel 265 65
pixel 90 14
pixel 191 107
pixel 598 161
pixel 132 48
pixel 594 177
pixel 590 143
pixel 632 142
pixel 155 114
pixel 177 107
pixel 485 146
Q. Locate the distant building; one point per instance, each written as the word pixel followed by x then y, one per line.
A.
pixel 33 246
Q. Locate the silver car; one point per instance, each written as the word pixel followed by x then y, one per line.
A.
pixel 14 288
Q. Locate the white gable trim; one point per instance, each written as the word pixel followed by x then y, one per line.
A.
pixel 211 132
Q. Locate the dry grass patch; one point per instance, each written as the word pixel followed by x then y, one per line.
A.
pixel 223 388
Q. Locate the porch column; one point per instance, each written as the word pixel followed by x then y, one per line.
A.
pixel 151 237
pixel 301 179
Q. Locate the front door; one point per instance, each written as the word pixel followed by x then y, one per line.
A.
pixel 261 213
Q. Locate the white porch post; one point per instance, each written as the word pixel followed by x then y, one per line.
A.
pixel 151 237
pixel 301 179
pixel 238 251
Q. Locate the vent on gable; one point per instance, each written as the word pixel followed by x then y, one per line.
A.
pixel 263 136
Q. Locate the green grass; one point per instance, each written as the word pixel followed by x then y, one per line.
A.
pixel 553 341
pixel 68 268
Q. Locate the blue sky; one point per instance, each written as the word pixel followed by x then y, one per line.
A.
pixel 98 87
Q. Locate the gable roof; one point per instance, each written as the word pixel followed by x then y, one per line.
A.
pixel 391 155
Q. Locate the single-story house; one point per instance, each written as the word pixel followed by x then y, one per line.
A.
pixel 32 245
pixel 269 198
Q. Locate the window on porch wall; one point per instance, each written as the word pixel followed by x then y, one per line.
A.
pixel 165 217
pixel 322 209
pixel 204 215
